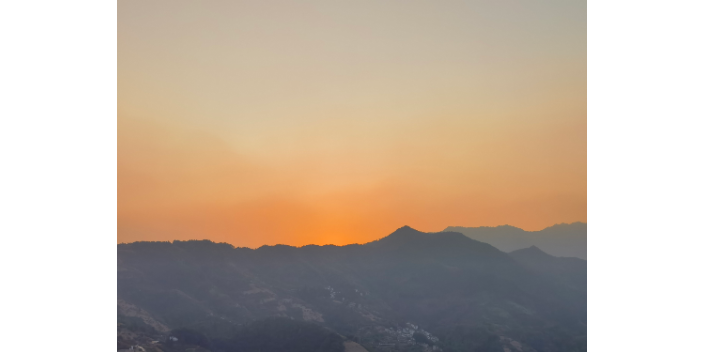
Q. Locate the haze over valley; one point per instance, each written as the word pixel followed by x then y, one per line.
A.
pixel 408 291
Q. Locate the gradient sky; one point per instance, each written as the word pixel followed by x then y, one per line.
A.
pixel 336 122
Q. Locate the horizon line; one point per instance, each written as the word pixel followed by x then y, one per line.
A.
pixel 349 244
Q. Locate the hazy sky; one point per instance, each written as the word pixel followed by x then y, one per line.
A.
pixel 298 122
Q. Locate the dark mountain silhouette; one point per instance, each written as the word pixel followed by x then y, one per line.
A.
pixel 409 291
pixel 572 271
pixel 562 240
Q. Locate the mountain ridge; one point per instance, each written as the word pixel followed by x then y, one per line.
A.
pixel 447 285
pixel 564 240
pixel 569 270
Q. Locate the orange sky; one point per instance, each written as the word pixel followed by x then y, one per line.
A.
pixel 267 122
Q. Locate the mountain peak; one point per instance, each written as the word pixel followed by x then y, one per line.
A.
pixel 428 244
pixel 535 249
pixel 530 251
pixel 406 230
pixel 403 234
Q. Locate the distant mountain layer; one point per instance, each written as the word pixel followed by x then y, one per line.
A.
pixel 571 271
pixel 562 240
pixel 409 291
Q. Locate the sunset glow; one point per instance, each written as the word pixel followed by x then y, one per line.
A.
pixel 320 122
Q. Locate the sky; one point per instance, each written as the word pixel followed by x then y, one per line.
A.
pixel 336 122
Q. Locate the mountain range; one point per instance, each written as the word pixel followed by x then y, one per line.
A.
pixel 408 291
pixel 562 240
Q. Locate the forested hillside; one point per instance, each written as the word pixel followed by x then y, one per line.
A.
pixel 409 291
